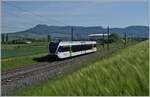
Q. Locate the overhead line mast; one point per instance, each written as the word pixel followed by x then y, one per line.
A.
pixel 108 37
pixel 71 33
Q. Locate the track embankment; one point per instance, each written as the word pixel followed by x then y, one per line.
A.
pixel 27 75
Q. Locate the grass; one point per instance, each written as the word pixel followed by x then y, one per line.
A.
pixel 123 73
pixel 14 57
pixel 18 50
pixel 12 63
pixel 15 46
pixel 22 52
pixel 17 55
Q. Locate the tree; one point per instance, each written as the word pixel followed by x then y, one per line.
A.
pixel 6 37
pixel 114 37
pixel 3 38
pixel 48 38
pixel 13 41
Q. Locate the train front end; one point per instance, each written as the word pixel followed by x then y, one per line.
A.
pixel 52 48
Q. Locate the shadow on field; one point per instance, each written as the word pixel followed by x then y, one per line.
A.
pixel 46 58
pixel 49 58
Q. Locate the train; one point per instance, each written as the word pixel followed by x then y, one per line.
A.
pixel 66 49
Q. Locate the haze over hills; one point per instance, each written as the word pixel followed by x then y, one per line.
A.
pixel 41 30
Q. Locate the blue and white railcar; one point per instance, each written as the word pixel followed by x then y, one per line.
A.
pixel 65 49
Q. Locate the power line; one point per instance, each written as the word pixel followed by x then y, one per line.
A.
pixel 13 27
pixel 35 14
pixel 21 22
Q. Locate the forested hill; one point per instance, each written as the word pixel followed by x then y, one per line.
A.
pixel 80 31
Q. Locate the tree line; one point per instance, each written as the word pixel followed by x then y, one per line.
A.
pixel 7 39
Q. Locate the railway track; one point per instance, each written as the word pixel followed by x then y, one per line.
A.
pixel 27 75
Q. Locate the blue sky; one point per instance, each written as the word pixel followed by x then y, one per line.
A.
pixel 21 15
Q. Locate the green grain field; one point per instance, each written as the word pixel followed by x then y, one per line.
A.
pixel 17 50
pixel 14 56
pixel 17 55
pixel 125 72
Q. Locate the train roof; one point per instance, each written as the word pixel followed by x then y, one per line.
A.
pixel 94 35
pixel 75 42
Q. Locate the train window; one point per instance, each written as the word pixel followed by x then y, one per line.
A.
pixel 64 48
pixel 53 47
pixel 76 48
pixel 88 46
pixel 83 47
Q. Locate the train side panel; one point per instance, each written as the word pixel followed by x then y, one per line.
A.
pixel 76 53
pixel 71 54
pixel 63 53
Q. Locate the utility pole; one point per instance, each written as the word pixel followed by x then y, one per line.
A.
pixel 108 38
pixel 103 40
pixel 6 38
pixel 132 37
pixel 3 38
pixel 125 39
pixel 71 33
pixel 48 38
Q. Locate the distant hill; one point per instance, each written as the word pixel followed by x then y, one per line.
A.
pixel 40 31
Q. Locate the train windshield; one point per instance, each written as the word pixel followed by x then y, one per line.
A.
pixel 53 47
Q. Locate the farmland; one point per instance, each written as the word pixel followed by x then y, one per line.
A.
pixel 14 56
pixel 124 72
pixel 17 50
pixel 65 48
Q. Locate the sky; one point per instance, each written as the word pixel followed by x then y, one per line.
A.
pixel 22 15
